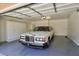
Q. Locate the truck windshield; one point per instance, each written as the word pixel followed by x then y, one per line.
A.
pixel 42 28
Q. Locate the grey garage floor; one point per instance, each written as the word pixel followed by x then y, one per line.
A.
pixel 61 46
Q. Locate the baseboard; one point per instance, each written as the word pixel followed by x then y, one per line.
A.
pixel 60 35
pixel 76 42
pixel 72 40
pixel 2 42
pixel 13 40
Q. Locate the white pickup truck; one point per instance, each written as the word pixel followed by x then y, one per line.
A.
pixel 40 36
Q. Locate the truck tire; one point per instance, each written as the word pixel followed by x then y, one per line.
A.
pixel 23 44
pixel 46 45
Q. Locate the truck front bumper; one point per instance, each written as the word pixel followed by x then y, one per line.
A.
pixel 35 43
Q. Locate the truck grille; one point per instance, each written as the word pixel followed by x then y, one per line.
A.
pixel 29 38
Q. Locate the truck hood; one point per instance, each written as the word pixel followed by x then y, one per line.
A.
pixel 37 33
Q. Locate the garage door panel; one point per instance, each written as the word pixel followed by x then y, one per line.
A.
pixel 14 29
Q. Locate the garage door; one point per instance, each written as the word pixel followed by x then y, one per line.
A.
pixel 14 29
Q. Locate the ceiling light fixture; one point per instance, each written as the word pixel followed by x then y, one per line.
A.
pixel 45 17
pixel 48 17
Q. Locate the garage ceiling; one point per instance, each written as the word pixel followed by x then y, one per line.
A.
pixel 5 5
pixel 37 10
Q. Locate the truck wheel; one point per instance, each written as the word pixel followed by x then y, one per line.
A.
pixel 46 45
pixel 21 42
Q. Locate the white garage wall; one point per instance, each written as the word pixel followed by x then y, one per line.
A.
pixel 2 30
pixel 59 25
pixel 73 27
pixel 14 29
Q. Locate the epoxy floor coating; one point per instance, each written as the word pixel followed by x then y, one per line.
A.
pixel 60 46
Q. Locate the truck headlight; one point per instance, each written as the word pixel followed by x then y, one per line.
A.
pixel 40 39
pixel 21 37
pixel 37 39
pixel 43 39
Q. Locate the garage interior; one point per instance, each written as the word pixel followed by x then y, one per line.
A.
pixel 18 18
